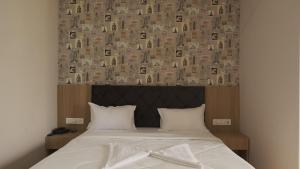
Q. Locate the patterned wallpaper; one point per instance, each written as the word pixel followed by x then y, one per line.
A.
pixel 149 42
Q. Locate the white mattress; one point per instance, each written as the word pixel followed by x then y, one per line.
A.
pixel 90 150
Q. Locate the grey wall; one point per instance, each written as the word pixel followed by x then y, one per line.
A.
pixel 28 71
pixel 269 81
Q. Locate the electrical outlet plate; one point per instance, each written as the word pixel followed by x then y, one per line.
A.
pixel 221 122
pixel 74 121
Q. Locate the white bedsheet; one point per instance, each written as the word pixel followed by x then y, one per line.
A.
pixel 91 150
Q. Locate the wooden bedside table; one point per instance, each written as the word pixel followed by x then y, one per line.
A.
pixel 237 142
pixel 56 142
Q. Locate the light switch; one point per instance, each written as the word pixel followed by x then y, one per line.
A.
pixel 74 121
pixel 221 122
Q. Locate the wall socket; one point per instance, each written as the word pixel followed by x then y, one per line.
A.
pixel 74 121
pixel 221 122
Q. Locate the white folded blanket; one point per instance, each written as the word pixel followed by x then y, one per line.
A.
pixel 178 154
pixel 122 155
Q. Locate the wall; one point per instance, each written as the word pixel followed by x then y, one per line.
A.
pixel 28 71
pixel 269 81
pixel 149 42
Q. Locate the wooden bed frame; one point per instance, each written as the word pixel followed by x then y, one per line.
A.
pixel 221 103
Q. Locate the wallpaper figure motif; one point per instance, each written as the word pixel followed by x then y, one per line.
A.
pixel 149 42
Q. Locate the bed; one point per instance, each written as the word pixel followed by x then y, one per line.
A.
pixel 92 149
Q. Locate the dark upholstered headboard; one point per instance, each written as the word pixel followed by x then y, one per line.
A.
pixel 148 99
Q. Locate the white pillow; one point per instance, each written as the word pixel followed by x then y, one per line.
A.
pixel 111 118
pixel 182 119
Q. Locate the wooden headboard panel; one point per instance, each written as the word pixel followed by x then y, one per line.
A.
pixel 72 102
pixel 221 103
